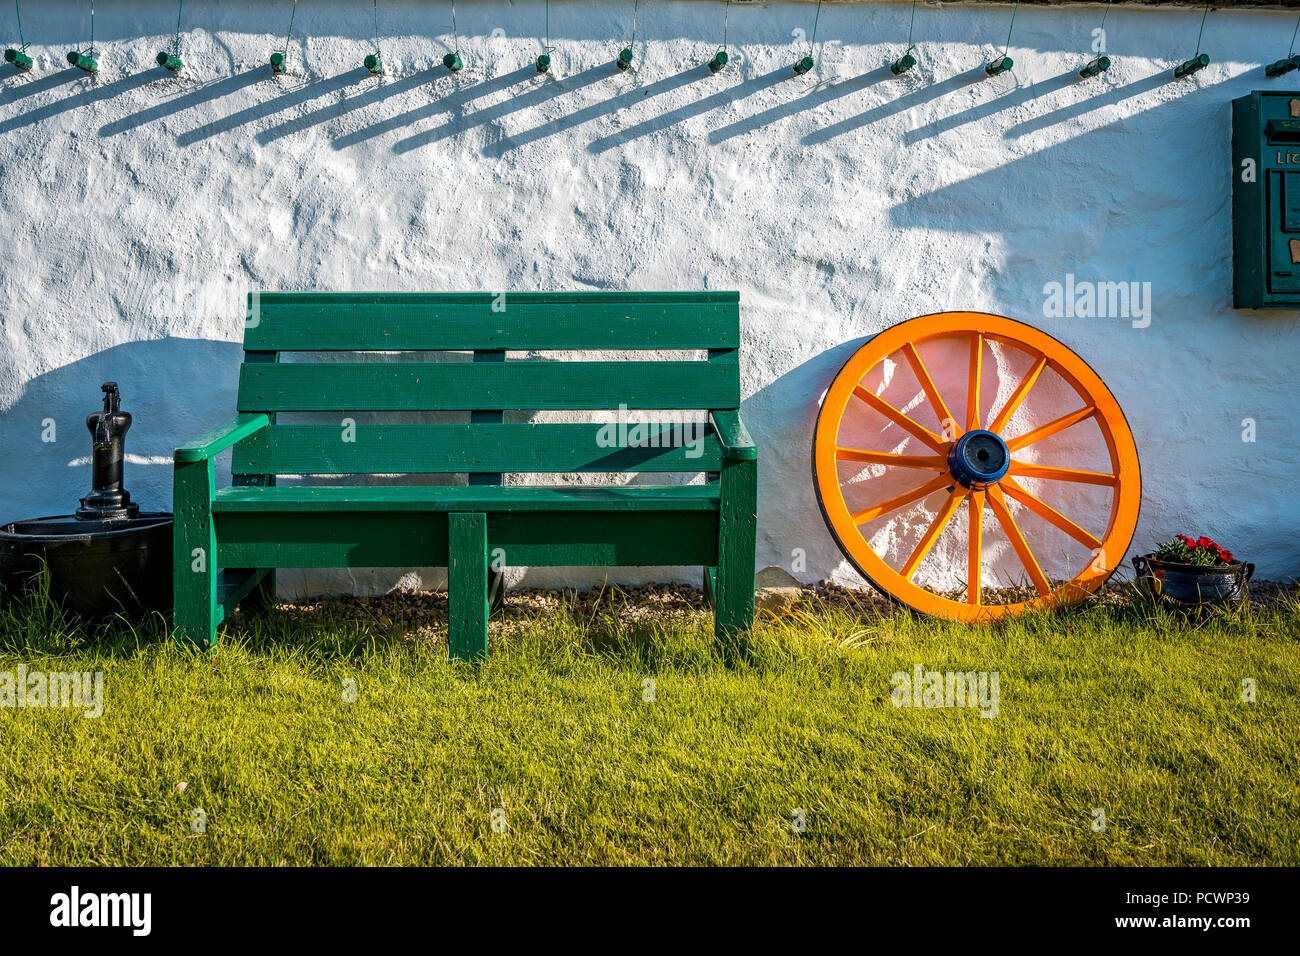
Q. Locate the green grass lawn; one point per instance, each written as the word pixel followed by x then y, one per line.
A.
pixel 1116 706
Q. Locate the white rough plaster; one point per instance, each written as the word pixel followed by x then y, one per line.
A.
pixel 140 209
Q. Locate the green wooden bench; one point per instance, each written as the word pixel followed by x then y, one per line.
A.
pixel 229 541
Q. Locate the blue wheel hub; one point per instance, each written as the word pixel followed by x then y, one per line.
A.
pixel 978 459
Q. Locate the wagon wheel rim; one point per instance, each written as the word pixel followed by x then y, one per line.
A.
pixel 941 463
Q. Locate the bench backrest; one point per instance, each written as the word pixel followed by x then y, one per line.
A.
pixel 486 383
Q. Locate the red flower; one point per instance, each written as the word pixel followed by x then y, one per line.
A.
pixel 1206 543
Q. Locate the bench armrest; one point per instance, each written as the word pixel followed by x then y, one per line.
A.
pixel 222 437
pixel 736 443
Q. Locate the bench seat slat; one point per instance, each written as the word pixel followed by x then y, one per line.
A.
pixel 458 386
pixel 517 320
pixel 485 498
pixel 488 447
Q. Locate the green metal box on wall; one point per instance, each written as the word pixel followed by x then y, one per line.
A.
pixel 1266 201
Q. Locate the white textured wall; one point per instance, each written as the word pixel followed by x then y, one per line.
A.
pixel 139 210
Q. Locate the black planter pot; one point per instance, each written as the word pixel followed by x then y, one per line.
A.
pixel 96 568
pixel 1191 585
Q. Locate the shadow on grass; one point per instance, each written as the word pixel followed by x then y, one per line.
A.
pixel 32 625
pixel 615 627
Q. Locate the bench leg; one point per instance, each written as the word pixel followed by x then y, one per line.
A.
pixel 467 586
pixel 194 555
pixel 737 538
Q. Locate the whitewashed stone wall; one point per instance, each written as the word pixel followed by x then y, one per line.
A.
pixel 139 209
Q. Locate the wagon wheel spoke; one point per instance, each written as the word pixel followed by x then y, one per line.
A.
pixel 1018 395
pixel 975 548
pixel 932 533
pixel 930 462
pixel 927 385
pixel 999 506
pixel 1049 514
pixel 909 425
pixel 1027 470
pixel 901 501
pixel 1051 428
pixel 973 385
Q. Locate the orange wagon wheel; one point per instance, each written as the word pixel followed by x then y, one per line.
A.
pixel 960 451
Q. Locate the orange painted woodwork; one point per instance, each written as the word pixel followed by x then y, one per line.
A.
pixel 995 509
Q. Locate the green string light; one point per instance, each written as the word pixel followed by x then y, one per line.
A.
pixel 544 61
pixel 19 58
pixel 624 61
pixel 806 64
pixel 1201 60
pixel 1291 62
pixel 374 62
pixel 907 60
pixel 279 58
pixel 85 59
pixel 452 61
pixel 172 61
pixel 720 58
pixel 1098 64
pixel 1004 62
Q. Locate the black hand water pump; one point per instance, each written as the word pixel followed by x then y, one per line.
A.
pixel 108 500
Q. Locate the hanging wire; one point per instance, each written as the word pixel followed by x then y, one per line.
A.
pixel 812 44
pixel 726 15
pixel 910 26
pixel 376 27
pixel 1202 33
pixel 19 14
pixel 455 38
pixel 546 48
pixel 91 51
pixel 176 43
pixel 1014 10
pixel 1105 14
pixel 292 14
pixel 1288 52
pixel 632 42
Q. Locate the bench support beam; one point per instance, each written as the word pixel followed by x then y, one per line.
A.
pixel 467 586
pixel 737 538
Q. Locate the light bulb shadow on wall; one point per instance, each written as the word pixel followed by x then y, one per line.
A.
pixel 586 114
pixel 671 118
pixel 94 94
pixel 456 99
pixel 1004 101
pixel 12 92
pixel 924 94
pixel 1116 94
pixel 303 94
pixel 810 100
pixel 547 91
pixel 207 93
